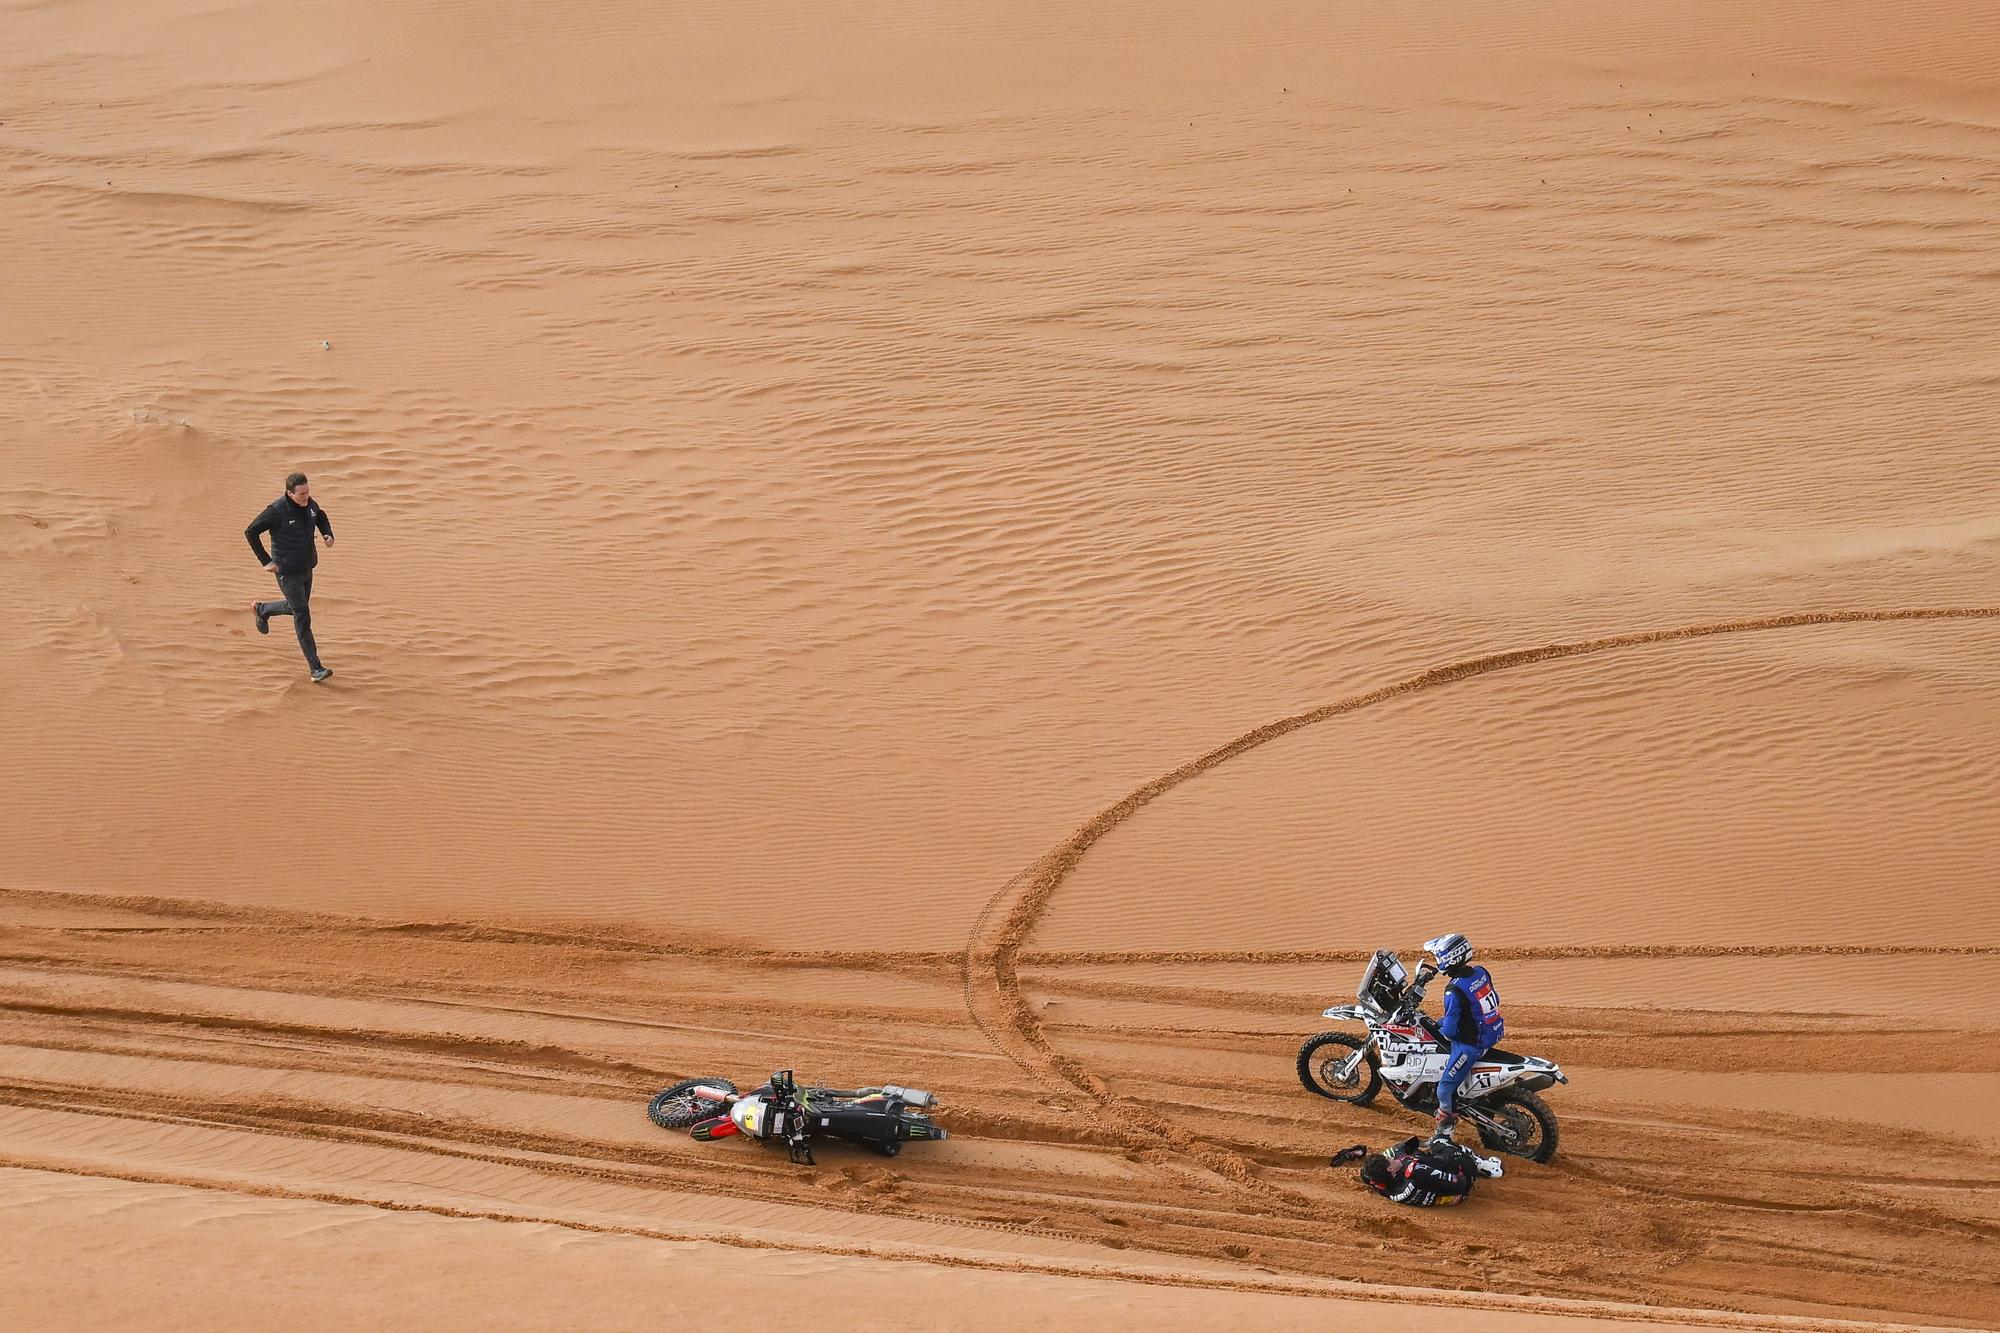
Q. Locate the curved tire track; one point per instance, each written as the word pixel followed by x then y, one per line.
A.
pixel 999 936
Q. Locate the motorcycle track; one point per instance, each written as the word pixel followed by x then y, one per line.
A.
pixel 999 937
pixel 998 945
pixel 273 1054
pixel 477 1070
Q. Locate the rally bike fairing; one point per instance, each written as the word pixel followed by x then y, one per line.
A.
pixel 1406 1053
pixel 883 1118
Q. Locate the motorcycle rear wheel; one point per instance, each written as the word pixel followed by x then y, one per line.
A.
pixel 677 1107
pixel 1317 1070
pixel 1532 1125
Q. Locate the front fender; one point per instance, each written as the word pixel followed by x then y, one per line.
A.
pixel 1351 1011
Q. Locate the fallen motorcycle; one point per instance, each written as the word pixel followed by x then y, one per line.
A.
pixel 882 1119
pixel 1404 1052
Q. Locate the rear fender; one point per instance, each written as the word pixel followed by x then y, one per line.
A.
pixel 1530 1075
pixel 1537 1073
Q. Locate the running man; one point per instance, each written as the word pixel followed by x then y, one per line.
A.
pixel 290 519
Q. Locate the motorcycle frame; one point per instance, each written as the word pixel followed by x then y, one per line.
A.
pixel 1374 1019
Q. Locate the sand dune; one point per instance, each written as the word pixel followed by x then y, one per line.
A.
pixel 902 540
pixel 1624 799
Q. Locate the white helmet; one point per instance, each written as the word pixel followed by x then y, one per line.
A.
pixel 1450 951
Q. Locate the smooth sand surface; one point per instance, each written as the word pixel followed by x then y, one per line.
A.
pixel 1005 548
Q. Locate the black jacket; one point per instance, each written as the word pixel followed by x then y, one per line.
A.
pixel 1421 1174
pixel 291 528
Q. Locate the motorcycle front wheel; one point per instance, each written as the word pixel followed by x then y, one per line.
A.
pixel 1528 1123
pixel 677 1107
pixel 1320 1060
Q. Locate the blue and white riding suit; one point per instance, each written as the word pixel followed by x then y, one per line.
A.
pixel 1473 1026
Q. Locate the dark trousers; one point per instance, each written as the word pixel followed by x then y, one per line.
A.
pixel 298 591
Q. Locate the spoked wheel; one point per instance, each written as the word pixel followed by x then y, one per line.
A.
pixel 677 1107
pixel 1527 1126
pixel 1322 1060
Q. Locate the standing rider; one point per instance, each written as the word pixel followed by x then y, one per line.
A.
pixel 1472 1022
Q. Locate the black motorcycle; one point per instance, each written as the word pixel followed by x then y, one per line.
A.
pixel 883 1118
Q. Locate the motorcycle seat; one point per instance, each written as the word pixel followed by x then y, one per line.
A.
pixel 1497 1054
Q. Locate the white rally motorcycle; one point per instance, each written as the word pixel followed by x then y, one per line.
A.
pixel 1405 1053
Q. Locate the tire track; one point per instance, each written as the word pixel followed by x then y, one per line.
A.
pixel 1035 1177
pixel 1552 953
pixel 202 917
pixel 1392 1296
pixel 997 945
pixel 1209 1184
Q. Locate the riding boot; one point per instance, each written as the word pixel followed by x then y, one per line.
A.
pixel 1447 1121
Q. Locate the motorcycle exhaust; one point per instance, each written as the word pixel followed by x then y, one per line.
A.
pixel 910 1096
pixel 709 1094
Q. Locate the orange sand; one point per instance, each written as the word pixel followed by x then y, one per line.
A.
pixel 812 488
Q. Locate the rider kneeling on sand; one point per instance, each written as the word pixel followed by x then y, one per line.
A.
pixel 1472 1021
